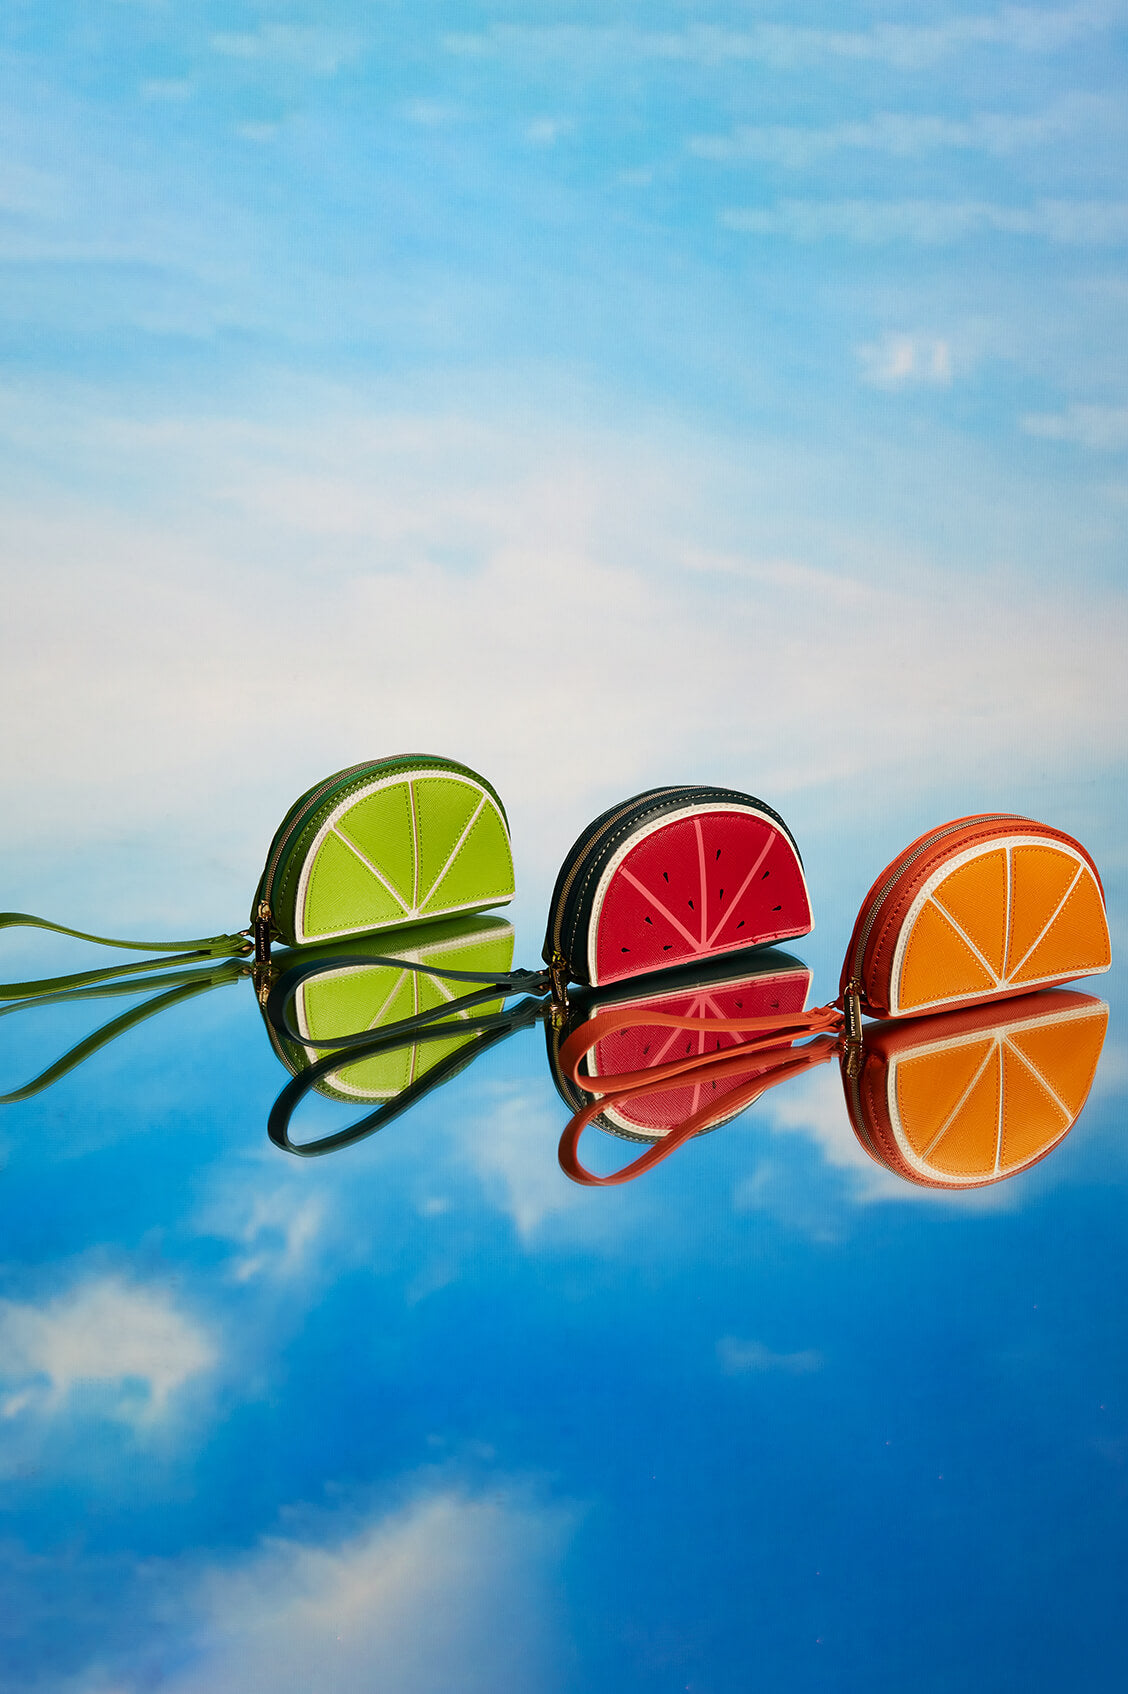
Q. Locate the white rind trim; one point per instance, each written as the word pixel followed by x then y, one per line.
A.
pixel 412 913
pixel 996 1036
pixel 943 871
pixel 706 809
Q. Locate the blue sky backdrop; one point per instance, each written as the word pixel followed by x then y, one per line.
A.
pixel 603 395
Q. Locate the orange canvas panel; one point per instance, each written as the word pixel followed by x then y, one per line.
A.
pixel 1040 879
pixel 1032 1118
pixel 1076 941
pixel 930 1090
pixel 975 895
pixel 1066 1055
pixel 938 964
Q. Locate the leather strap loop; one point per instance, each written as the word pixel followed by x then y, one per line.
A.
pixel 491 1028
pixel 765 1032
pixel 175 986
pixel 736 1100
pixel 499 985
pixel 188 952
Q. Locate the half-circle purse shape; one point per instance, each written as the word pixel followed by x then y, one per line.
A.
pixel 976 911
pixel 675 876
pixel 666 1061
pixel 377 997
pixel 961 1099
pixel 972 1097
pixel 381 845
pixel 416 1035
pixel 671 877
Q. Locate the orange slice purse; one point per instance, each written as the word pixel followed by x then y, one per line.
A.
pixel 970 1098
pixel 979 909
pixel 976 911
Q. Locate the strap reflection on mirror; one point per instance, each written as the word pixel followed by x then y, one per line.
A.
pixel 173 987
pixel 499 985
pixel 764 1035
pixel 710 1069
pixel 186 953
pixel 491 1028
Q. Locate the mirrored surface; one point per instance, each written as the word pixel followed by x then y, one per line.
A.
pixel 428 1413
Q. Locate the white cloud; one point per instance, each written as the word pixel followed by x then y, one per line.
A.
pixel 909 134
pixel 172 89
pixel 900 360
pixel 813 1106
pixel 546 132
pixel 793 46
pixel 1102 428
pixel 740 1358
pixel 511 1149
pixel 449 1593
pixel 127 1344
pixel 274 1231
pixel 365 581
pixel 935 223
pixel 322 51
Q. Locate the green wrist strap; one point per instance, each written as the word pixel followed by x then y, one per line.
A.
pixel 175 986
pixel 188 952
pixel 489 1028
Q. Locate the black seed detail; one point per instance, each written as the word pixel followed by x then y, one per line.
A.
pixel 720 896
pixel 740 925
pixel 777 908
pixel 691 905
pixel 718 852
pixel 667 947
pixel 740 1005
pixel 645 1051
pixel 775 1005
pixel 689 1046
pixel 624 949
pixel 766 873
pixel 648 920
pixel 665 876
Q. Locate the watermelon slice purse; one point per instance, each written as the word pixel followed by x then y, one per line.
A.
pixel 672 876
pixel 372 848
pixel 670 1061
pixel 977 911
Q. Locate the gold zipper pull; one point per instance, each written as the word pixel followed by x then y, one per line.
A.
pixel 852 1025
pixel 263 927
pixel 558 980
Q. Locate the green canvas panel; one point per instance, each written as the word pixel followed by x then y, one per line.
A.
pixel 443 808
pixel 381 827
pixel 343 893
pixel 432 1052
pixel 335 1005
pixel 481 870
pixel 378 1078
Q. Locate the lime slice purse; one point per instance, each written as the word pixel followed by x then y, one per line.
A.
pixel 372 848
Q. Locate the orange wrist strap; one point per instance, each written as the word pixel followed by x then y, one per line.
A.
pixel 710 1068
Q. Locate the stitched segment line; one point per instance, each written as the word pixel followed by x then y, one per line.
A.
pixel 376 872
pixel 1049 925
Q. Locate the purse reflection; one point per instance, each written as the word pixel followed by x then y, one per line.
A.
pixel 960 1100
pixel 970 1098
pixel 674 1068
pixel 389 1071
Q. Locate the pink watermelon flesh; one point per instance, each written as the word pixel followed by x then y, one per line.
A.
pixel 697 886
pixel 642 1046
